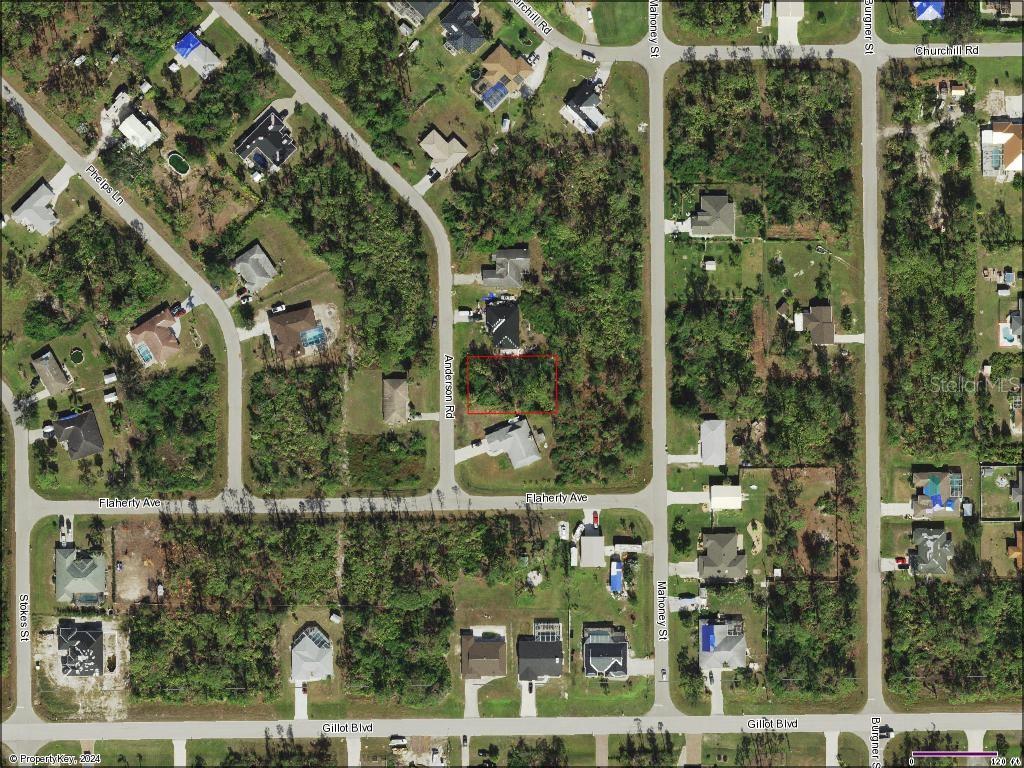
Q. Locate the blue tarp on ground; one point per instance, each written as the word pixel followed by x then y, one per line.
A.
pixel 707 638
pixel 615 580
pixel 187 44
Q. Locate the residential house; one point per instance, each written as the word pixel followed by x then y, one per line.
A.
pixel 723 645
pixel 155 337
pixel 501 319
pixel 1011 332
pixel 395 398
pixel 458 26
pixel 119 109
pixel 715 217
pixel 605 651
pixel 295 330
pixel 190 51
pixel 35 211
pixel 933 549
pixel 51 372
pixel 712 443
pixel 504 77
pixel 929 10
pixel 254 268
pixel 938 491
pixel 312 658
pixel 514 438
pixel 483 655
pixel 80 577
pixel 413 11
pixel 817 320
pixel 1001 156
pixel 79 433
pixel 723 558
pixel 540 654
pixel 267 144
pixel 582 106
pixel 139 130
pixel 592 547
pixel 1004 10
pixel 508 269
pixel 444 153
pixel 721 497
pixel 80 647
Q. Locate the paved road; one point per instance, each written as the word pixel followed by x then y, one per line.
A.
pixel 198 286
pixel 27 730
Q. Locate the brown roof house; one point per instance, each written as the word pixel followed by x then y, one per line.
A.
pixel 504 77
pixel 51 372
pixel 295 331
pixel 444 153
pixel 483 653
pixel 817 321
pixel 155 338
pixel 395 398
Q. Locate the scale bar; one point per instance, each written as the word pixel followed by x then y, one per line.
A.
pixel 930 753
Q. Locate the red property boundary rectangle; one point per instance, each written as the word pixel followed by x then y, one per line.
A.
pixel 469 404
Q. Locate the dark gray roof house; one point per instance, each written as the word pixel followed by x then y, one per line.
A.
pixel 50 371
pixel 716 216
pixel 933 549
pixel 508 269
pixel 817 321
pixel 723 558
pixel 605 651
pixel 501 318
pixel 540 654
pixel 80 577
pixel 79 433
pixel 254 268
pixel 267 144
pixel 583 106
pixel 458 25
pixel 712 442
pixel 80 646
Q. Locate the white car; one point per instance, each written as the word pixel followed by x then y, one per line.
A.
pixel 590 15
pixel 588 56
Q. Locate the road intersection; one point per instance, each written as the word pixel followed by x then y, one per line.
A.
pixel 24 731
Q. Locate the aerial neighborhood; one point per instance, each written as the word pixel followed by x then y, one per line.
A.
pixel 378 373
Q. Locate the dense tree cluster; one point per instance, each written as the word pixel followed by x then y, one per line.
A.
pixel 538 753
pixel 709 346
pixel 353 48
pixel 397 603
pixel 295 433
pixel 717 16
pixel 510 384
pixel 281 751
pixel 785 126
pixel 174 416
pixel 583 198
pixel 648 748
pixel 93 270
pixel 228 580
pixel 14 133
pixel 956 638
pixel 371 240
pixel 930 273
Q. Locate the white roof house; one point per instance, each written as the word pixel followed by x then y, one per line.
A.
pixel 725 497
pixel 712 443
pixel 254 268
pixel 515 439
pixel 36 211
pixel 592 551
pixel 140 134
pixel 311 655
pixel 445 154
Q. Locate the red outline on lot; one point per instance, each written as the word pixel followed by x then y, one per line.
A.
pixel 470 412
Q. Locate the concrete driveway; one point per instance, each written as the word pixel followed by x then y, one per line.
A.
pixel 715 686
pixel 472 690
pixel 528 700
pixel 789 13
pixel 467 452
pixel 684 570
pixel 301 703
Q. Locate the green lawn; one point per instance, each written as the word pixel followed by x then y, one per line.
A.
pixel 694 519
pixel 895 23
pixel 128 753
pixel 790 749
pixel 898 746
pixel 683 629
pixel 579 749
pixel 679 32
pixel 1014 743
pixel 590 697
pixel 209 752
pixel 852 750
pixel 670 746
pixel 620 22
pixel 829 21
pixel 553 13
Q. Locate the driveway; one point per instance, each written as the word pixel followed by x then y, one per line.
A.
pixel 789 13
pixel 467 452
pixel 472 689
pixel 896 508
pixel 60 180
pixel 301 703
pixel 715 686
pixel 684 570
pixel 259 329
pixel 640 666
pixel 528 700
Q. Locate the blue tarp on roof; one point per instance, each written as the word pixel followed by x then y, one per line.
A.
pixel 616 576
pixel 930 10
pixel 707 638
pixel 187 44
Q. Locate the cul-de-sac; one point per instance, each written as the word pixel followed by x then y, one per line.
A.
pixel 512 383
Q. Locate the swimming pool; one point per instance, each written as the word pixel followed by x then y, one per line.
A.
pixel 313 337
pixel 144 352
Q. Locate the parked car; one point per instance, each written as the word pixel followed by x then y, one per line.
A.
pixel 590 15
pixel 278 307
pixel 465 740
pixel 177 310
pixel 902 563
pixel 305 687
pixel 588 56
pixel 884 731
pixel 477 443
pixel 664 675
pixel 245 299
pixel 433 322
pixel 433 174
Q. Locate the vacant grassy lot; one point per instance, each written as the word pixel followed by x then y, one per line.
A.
pixel 829 21
pixel 790 749
pixel 580 750
pixel 620 23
